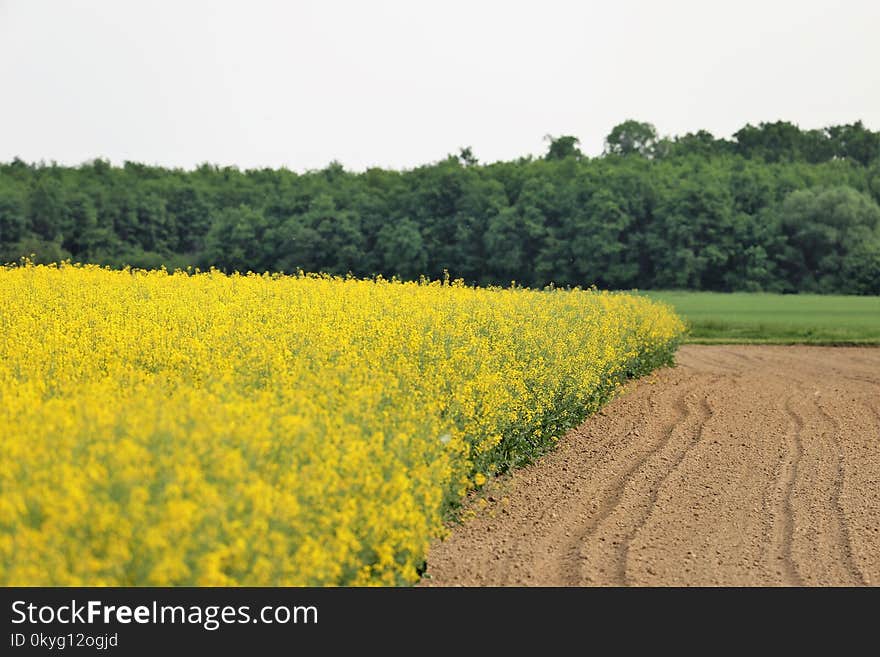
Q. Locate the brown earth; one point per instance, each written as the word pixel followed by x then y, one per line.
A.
pixel 743 465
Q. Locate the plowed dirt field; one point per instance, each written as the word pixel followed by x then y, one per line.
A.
pixel 743 465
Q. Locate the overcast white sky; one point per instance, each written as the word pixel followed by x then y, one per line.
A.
pixel 400 83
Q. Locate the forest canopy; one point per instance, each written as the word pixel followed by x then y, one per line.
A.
pixel 774 208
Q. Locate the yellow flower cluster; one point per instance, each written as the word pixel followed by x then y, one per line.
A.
pixel 177 429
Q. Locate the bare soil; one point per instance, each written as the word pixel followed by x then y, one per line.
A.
pixel 743 465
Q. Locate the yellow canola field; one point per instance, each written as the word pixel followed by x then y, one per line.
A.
pixel 175 429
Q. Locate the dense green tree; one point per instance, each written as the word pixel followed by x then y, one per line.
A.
pixel 237 241
pixel 589 248
pixel 46 207
pixel 325 238
pixel 816 146
pixel 632 138
pixel 774 208
pixel 861 267
pixel 402 249
pixel 702 143
pixel 81 225
pixel 855 141
pixel 691 237
pixel 780 141
pixel 562 147
pixel 192 217
pixel 13 221
pixel 823 228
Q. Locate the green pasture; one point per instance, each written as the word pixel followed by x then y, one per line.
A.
pixel 742 317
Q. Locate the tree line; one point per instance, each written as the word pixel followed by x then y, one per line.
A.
pixel 774 208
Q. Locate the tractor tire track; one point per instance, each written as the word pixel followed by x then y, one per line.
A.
pixel 612 501
pixel 795 453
